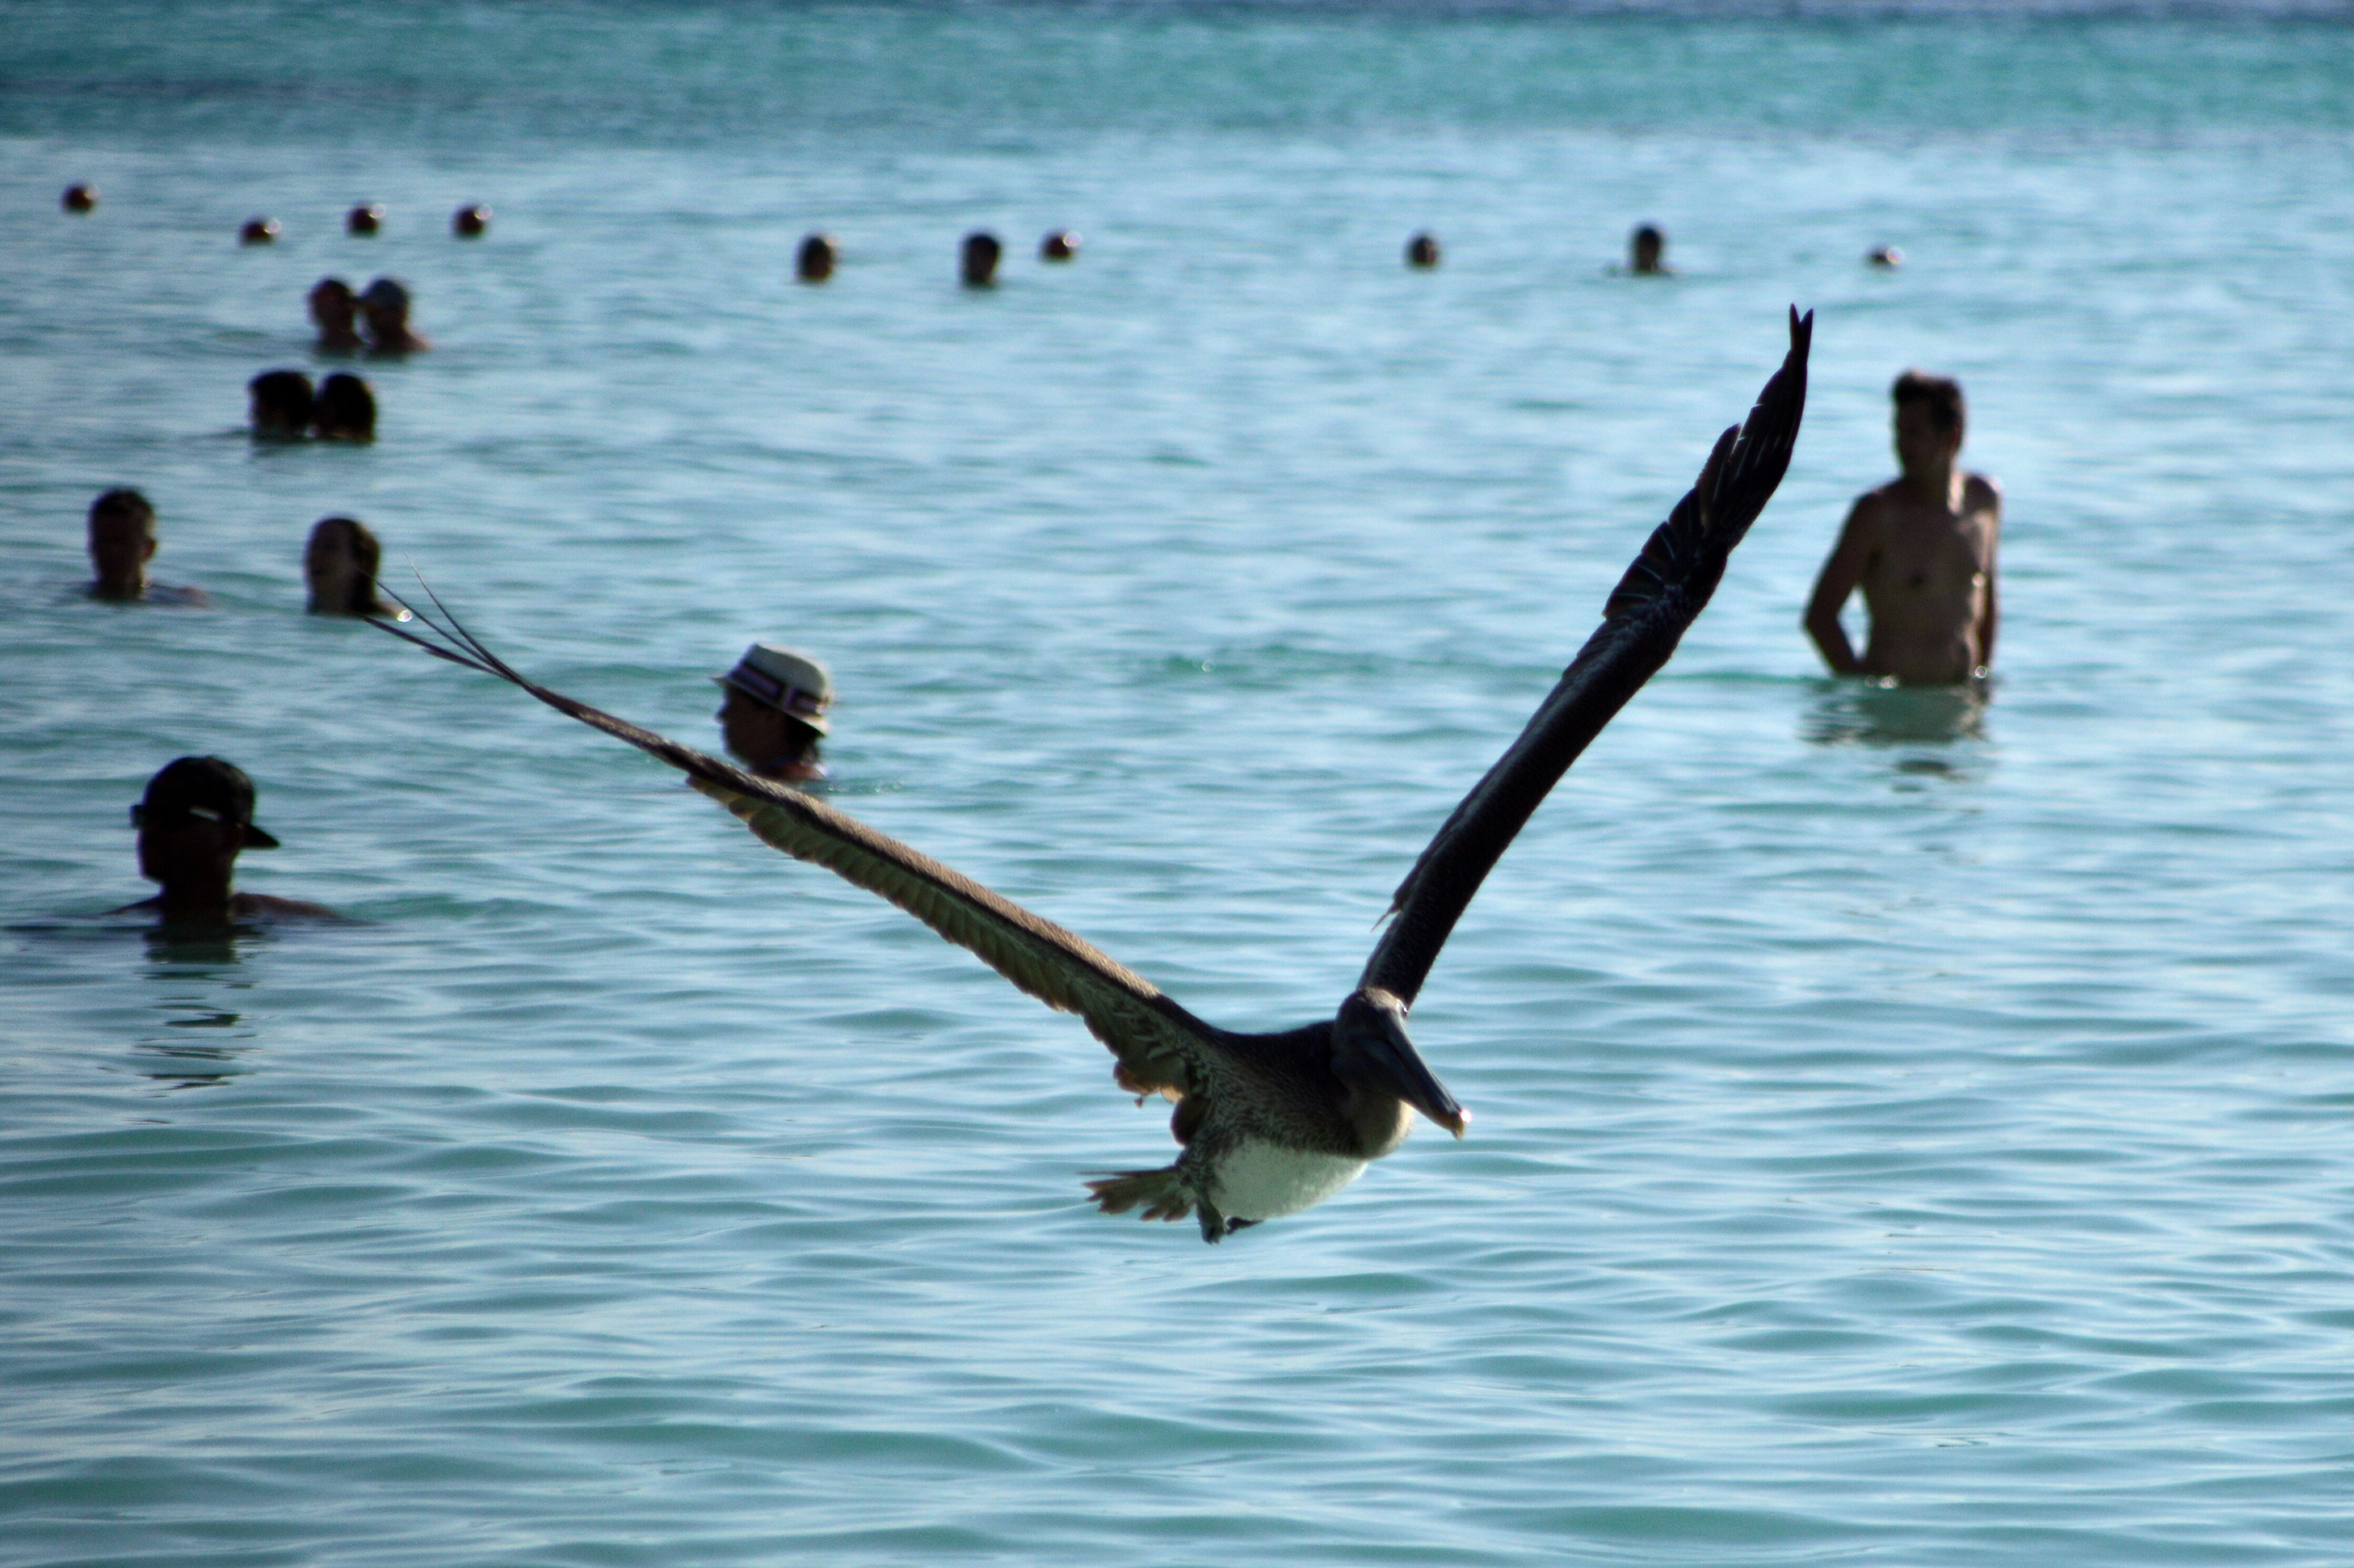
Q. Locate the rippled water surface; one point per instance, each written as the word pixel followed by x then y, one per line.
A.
pixel 1909 1130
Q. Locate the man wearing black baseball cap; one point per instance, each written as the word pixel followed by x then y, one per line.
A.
pixel 196 815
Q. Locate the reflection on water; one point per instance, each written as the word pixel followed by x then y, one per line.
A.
pixel 195 961
pixel 1847 712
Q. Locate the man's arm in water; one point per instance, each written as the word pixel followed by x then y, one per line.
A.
pixel 1840 574
pixel 1989 496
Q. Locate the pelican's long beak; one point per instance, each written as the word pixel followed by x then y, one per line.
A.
pixel 1371 1042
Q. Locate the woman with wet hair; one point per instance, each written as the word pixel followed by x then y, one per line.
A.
pixel 345 410
pixel 340 564
pixel 282 403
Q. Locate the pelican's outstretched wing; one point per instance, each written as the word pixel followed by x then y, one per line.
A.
pixel 1662 593
pixel 1159 1046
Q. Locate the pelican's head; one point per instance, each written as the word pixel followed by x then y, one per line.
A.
pixel 1371 1050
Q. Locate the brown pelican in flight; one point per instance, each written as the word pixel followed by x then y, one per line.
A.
pixel 1272 1124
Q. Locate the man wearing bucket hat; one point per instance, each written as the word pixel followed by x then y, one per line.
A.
pixel 196 815
pixel 775 712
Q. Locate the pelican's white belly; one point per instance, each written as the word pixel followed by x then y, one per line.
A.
pixel 1262 1180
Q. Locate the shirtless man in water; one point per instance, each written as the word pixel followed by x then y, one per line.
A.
pixel 1922 549
pixel 197 816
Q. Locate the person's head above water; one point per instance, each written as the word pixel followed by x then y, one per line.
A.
pixel 385 303
pixel 1060 244
pixel 364 219
pixel 122 543
pixel 282 403
pixel 816 261
pixel 1647 250
pixel 347 410
pixel 980 253
pixel 196 815
pixel 340 565
pixel 471 222
pixel 335 309
pixel 775 711
pixel 257 231
pixel 1930 417
pixel 80 199
pixel 1422 251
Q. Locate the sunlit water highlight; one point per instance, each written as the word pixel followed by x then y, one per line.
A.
pixel 1908 1129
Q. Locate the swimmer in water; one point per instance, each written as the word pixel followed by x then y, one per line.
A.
pixel 336 311
pixel 1922 549
pixel 384 303
pixel 347 410
pixel 1647 253
pixel 775 712
pixel 1060 244
pixel 259 231
pixel 280 404
pixel 1422 251
pixel 122 543
pixel 340 565
pixel 196 815
pixel 818 255
pixel 364 219
pixel 471 222
pixel 980 253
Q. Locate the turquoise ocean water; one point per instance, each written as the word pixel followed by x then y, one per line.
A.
pixel 1909 1131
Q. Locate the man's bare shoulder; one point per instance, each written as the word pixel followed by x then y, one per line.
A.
pixel 265 907
pixel 242 906
pixel 1980 493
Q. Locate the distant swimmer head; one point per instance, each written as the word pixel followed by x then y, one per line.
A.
pixel 340 565
pixel 1422 251
pixel 982 251
pixel 1647 250
pixel 471 222
pixel 1060 244
pixel 347 410
pixel 364 219
pixel 80 199
pixel 280 405
pixel 122 543
pixel 385 303
pixel 336 310
pixel 1930 420
pixel 259 231
pixel 1885 256
pixel 775 711
pixel 815 263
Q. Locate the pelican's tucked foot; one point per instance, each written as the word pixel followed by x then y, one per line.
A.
pixel 1161 1193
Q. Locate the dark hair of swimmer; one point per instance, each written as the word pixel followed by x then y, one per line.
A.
pixel 347 410
pixel 471 222
pixel 1422 251
pixel 980 253
pixel 1886 256
pixel 1649 248
pixel 1941 395
pixel 282 402
pixel 259 231
pixel 1060 244
pixel 815 262
pixel 80 199
pixel 122 543
pixel 340 565
pixel 364 219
